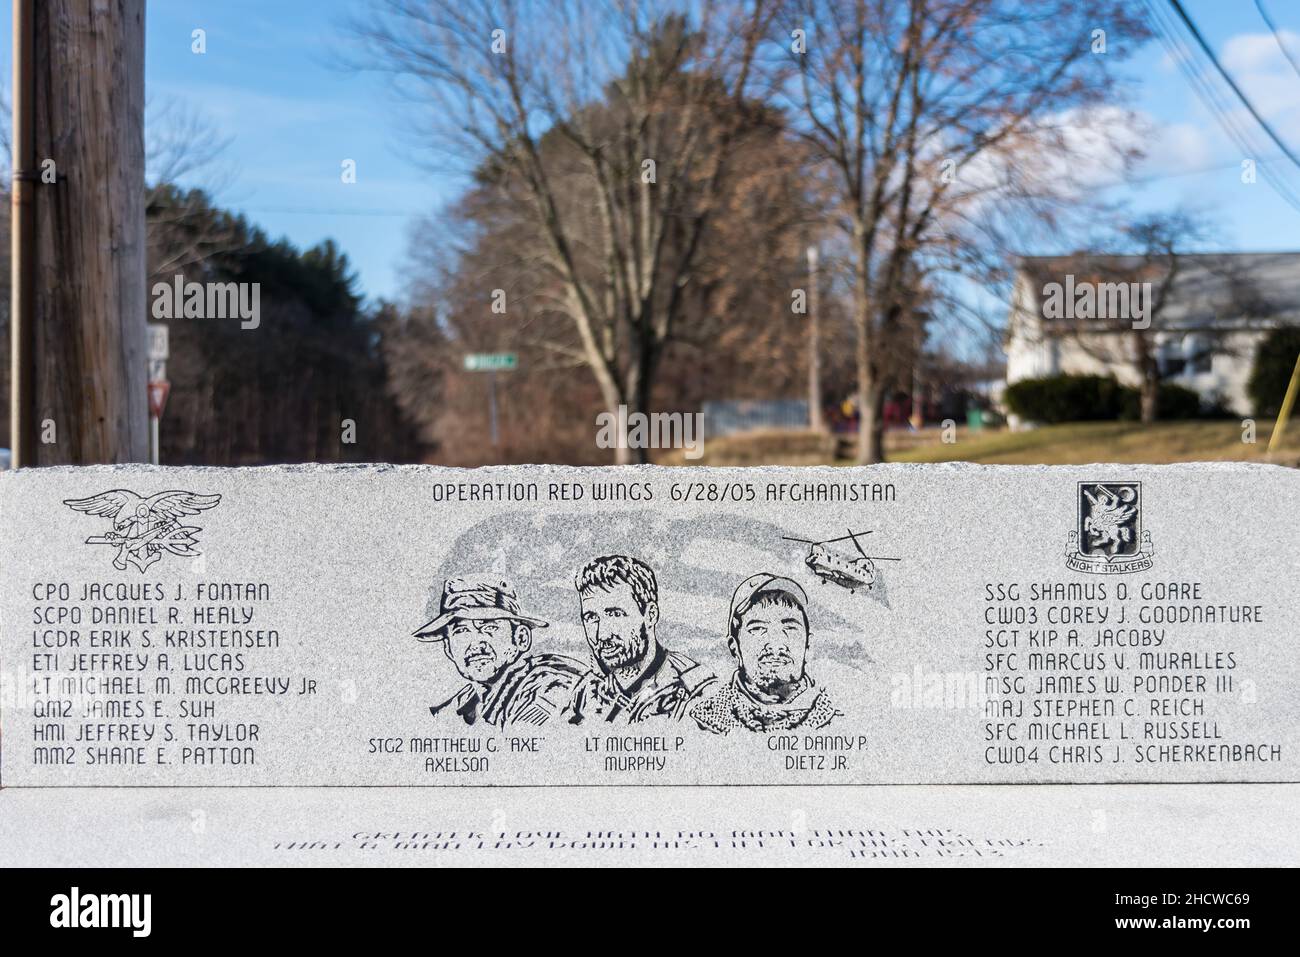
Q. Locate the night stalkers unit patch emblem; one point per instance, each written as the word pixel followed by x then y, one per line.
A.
pixel 144 528
pixel 1109 539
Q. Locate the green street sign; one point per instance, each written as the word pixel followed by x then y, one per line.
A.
pixel 491 361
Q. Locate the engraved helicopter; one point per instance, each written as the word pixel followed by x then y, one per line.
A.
pixel 847 571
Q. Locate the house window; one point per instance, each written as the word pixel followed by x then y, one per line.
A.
pixel 1188 356
pixel 1171 359
pixel 1199 355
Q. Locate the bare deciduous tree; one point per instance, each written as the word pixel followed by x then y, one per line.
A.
pixel 183 145
pixel 928 111
pixel 614 127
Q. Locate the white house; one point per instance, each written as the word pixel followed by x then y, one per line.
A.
pixel 1066 319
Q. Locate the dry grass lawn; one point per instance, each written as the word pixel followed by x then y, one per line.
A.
pixel 1075 443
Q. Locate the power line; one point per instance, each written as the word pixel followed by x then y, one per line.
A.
pixel 1209 52
pixel 408 213
pixel 311 211
pixel 1277 37
pixel 1184 58
pixel 1210 96
pixel 1167 31
pixel 1172 174
pixel 1204 89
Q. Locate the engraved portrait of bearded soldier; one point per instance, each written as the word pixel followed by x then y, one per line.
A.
pixel 770 690
pixel 633 677
pixel 489 640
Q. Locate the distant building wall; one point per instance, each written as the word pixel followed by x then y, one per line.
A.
pixel 729 416
pixel 1221 375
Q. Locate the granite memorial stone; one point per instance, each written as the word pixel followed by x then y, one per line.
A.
pixel 427 627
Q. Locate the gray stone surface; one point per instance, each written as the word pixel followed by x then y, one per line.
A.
pixel 1244 825
pixel 315 578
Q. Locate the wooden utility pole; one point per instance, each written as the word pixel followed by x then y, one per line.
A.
pixel 816 420
pixel 918 399
pixel 79 265
pixel 22 242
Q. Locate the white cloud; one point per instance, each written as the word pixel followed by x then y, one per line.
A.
pixel 1177 148
pixel 1068 154
pixel 1268 79
pixel 1254 52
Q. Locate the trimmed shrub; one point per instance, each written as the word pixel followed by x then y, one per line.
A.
pixel 1066 398
pixel 1172 402
pixel 1275 360
pixel 1091 398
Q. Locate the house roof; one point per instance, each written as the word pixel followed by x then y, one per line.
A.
pixel 1208 289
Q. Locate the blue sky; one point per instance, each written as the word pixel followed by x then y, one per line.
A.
pixel 1188 138
pixel 271 83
